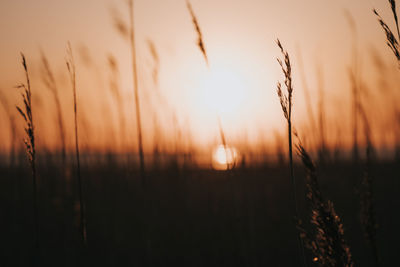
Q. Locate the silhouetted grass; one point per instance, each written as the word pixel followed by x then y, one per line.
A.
pixel 200 41
pixel 117 94
pixel 192 216
pixel 326 241
pixel 27 115
pixel 323 155
pixel 391 40
pixel 50 82
pixel 307 98
pixel 136 91
pixel 72 75
pixel 367 203
pixel 286 105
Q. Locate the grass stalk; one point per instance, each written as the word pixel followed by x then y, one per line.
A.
pixel 72 75
pixel 27 115
pixel 355 106
pixel 116 91
pixel 286 104
pixel 307 98
pixel 136 92
pixel 322 151
pixel 368 215
pixel 156 61
pixel 50 82
pixel 354 74
pixel 201 46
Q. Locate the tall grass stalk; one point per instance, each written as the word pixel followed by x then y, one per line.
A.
pixel 368 216
pixel 136 91
pixel 322 151
pixel 156 127
pixel 27 115
pixel 355 96
pixel 201 46
pixel 286 104
pixel 50 82
pixel 156 60
pixel 307 98
pixel 354 74
pixel 116 91
pixel 72 75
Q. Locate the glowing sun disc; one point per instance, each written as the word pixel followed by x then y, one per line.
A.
pixel 224 157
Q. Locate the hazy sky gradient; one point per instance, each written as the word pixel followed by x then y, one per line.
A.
pixel 240 39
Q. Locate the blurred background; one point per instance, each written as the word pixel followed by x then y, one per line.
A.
pixel 218 187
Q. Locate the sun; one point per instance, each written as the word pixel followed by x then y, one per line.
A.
pixel 224 157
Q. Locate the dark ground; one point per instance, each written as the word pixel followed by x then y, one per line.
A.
pixel 185 217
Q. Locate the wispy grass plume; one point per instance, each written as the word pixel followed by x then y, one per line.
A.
pixel 119 24
pixel 156 59
pixel 72 75
pixel 286 104
pixel 326 241
pixel 27 115
pixel 200 42
pixel 391 40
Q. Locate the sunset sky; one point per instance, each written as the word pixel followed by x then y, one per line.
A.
pixel 239 85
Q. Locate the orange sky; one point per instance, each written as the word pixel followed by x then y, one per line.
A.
pixel 239 86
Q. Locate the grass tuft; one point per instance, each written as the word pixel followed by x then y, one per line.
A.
pixel 327 243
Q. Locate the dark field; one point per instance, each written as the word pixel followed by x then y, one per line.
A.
pixel 185 216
